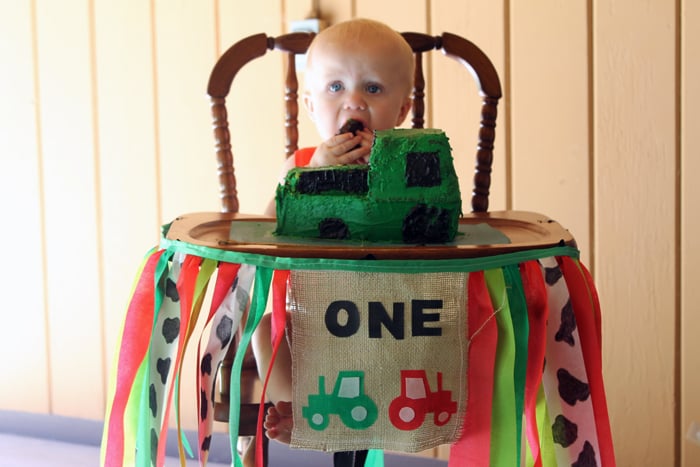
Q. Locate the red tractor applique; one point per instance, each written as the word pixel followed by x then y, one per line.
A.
pixel 407 411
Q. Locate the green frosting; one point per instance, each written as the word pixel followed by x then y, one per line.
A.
pixel 408 193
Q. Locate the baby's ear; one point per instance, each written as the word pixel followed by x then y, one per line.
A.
pixel 403 112
pixel 308 103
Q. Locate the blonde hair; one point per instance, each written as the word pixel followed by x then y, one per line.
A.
pixel 369 32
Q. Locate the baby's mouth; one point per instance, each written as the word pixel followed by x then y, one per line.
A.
pixel 352 125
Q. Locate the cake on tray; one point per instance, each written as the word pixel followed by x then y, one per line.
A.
pixel 408 193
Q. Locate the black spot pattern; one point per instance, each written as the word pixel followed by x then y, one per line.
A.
pixel 552 275
pixel 206 442
pixel 571 389
pixel 586 457
pixel 205 367
pixel 564 432
pixel 154 447
pixel 152 400
pixel 235 284
pixel 223 330
pixel 171 329
pixel 163 367
pixel 204 405
pixel 171 290
pixel 567 326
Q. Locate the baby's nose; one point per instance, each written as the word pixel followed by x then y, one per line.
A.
pixel 355 101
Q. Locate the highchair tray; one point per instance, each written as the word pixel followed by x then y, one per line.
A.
pixel 479 235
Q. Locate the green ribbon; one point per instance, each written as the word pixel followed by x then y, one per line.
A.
pixel 360 265
pixel 521 330
pixel 261 288
pixel 503 421
pixel 547 452
pixel 375 458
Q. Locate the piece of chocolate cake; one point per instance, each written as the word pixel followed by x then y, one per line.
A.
pixel 351 126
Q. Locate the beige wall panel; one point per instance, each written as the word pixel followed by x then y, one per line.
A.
pixel 24 329
pixel 335 11
pixel 185 52
pixel 127 152
pixel 635 139
pixel 549 110
pixel 255 106
pixel 411 16
pixel 298 9
pixel 73 266
pixel 456 105
pixel 690 232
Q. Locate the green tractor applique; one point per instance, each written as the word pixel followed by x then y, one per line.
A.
pixel 348 400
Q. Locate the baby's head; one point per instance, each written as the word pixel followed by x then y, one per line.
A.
pixel 359 69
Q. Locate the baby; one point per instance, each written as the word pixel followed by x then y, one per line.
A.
pixel 359 70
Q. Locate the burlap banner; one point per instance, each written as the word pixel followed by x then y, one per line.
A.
pixel 379 359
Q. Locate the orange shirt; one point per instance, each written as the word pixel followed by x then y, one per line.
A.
pixel 302 156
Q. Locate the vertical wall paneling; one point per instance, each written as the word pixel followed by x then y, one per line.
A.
pixel 22 280
pixel 127 152
pixel 635 160
pixel 185 53
pixel 335 11
pixel 254 109
pixel 331 14
pixel 413 15
pixel 105 130
pixel 456 102
pixel 296 10
pixel 549 83
pixel 690 232
pixel 73 266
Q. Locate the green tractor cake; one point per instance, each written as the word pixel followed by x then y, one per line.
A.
pixel 409 192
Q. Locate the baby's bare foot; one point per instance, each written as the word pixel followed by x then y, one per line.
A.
pixel 279 422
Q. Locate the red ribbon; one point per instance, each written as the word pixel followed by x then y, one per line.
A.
pixel 538 311
pixel 279 319
pixel 584 301
pixel 136 339
pixel 473 447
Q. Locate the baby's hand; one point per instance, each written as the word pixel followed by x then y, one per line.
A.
pixel 343 149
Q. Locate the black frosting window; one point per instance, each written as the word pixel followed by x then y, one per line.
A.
pixel 422 169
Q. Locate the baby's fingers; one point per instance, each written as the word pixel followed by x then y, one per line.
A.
pixel 341 144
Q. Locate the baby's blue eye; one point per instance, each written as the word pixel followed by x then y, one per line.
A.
pixel 374 88
pixel 335 87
